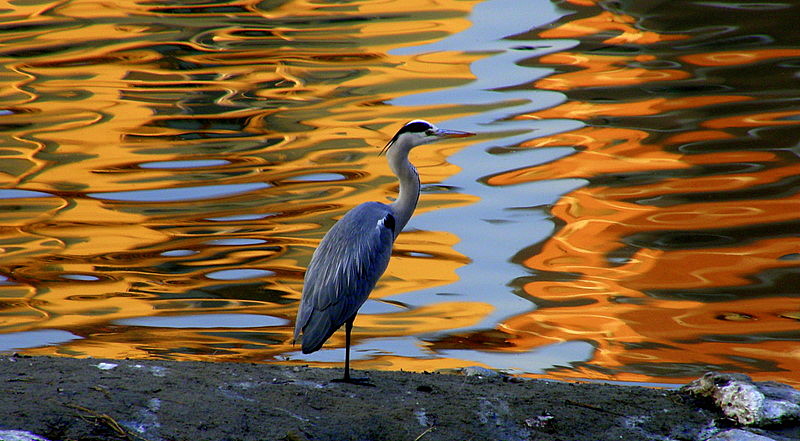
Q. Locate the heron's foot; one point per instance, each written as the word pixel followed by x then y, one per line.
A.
pixel 359 381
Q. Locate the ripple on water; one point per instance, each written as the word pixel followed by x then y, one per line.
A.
pixel 627 212
pixel 182 194
pixel 209 321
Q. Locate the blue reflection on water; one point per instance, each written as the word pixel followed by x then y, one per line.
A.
pixel 180 194
pixel 485 222
pixel 535 361
pixel 196 163
pixel 526 204
pixel 239 274
pixel 80 277
pixel 236 241
pixel 317 177
pixel 204 321
pixel 370 348
pixel 239 217
pixel 179 253
pixel 10 193
pixel 35 339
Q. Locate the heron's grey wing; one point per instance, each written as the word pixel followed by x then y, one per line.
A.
pixel 343 270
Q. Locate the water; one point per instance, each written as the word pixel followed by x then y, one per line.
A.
pixel 627 213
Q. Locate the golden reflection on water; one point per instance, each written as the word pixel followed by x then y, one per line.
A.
pixel 103 135
pixel 184 159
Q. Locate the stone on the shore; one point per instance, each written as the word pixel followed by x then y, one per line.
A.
pixel 739 435
pixel 19 435
pixel 478 371
pixel 749 403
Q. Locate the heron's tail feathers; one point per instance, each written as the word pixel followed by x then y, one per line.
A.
pixel 317 330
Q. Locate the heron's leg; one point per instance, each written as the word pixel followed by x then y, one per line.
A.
pixel 364 381
pixel 348 328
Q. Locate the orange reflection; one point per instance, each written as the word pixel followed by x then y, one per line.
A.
pixel 607 21
pixel 696 136
pixel 583 2
pixel 645 272
pixel 603 70
pixel 582 110
pixel 628 335
pixel 764 119
pixel 730 58
pixel 608 150
pixel 619 315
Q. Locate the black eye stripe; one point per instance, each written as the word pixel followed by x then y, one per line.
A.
pixel 416 126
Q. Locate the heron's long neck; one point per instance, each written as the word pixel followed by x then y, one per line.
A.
pixel 406 201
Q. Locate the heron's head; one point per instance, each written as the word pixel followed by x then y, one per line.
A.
pixel 420 132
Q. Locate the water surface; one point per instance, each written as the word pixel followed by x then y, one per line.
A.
pixel 628 211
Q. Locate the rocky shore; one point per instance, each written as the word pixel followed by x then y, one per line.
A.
pixel 55 399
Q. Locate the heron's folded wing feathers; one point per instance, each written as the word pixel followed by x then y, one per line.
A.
pixel 343 271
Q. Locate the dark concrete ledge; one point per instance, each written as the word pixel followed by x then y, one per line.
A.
pixel 89 399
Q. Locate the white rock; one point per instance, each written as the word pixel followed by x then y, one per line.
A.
pixel 19 435
pixel 747 402
pixel 106 366
pixel 739 435
pixel 478 371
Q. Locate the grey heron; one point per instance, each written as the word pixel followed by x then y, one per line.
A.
pixel 356 250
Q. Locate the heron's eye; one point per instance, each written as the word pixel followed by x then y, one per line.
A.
pixel 429 132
